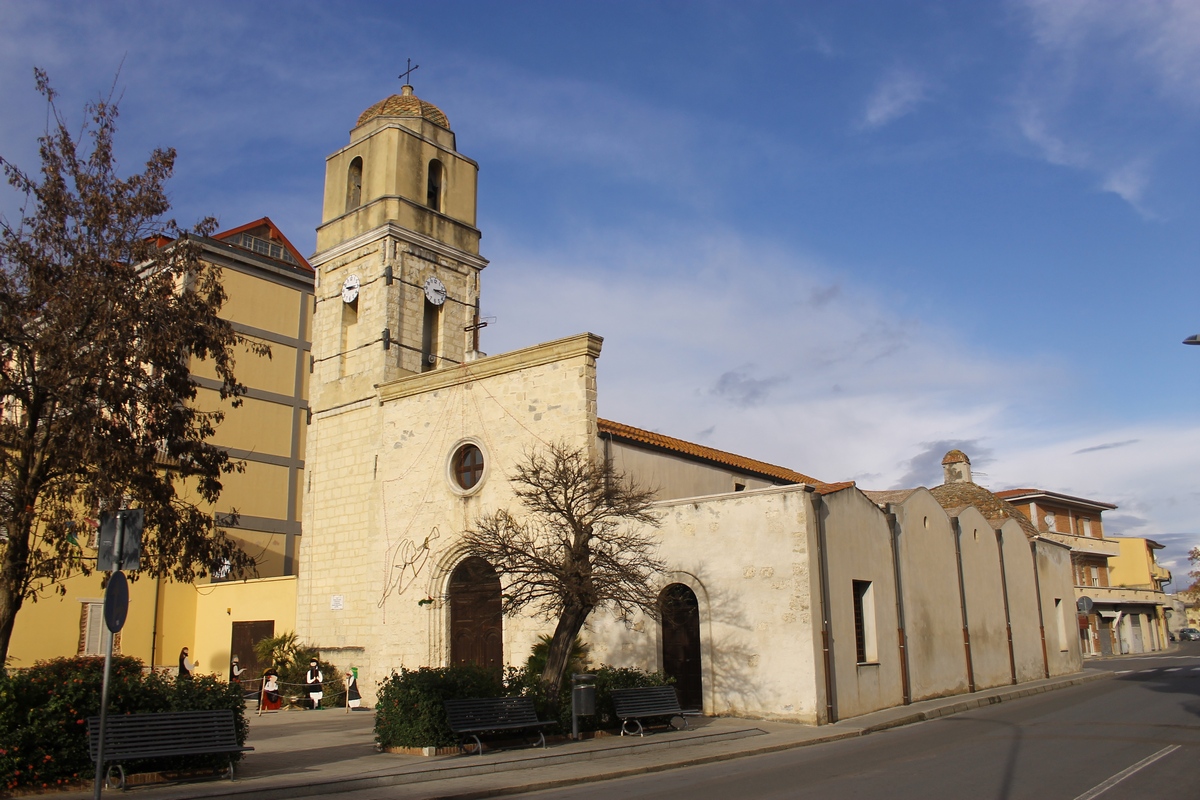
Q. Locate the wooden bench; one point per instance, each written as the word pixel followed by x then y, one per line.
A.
pixel 634 705
pixel 131 737
pixel 471 717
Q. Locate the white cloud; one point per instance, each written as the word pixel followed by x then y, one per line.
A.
pixel 1100 74
pixel 898 93
pixel 741 344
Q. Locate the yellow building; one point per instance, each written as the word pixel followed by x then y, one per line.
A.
pixel 270 289
pixel 1136 571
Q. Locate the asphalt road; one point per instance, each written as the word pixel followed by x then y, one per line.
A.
pixel 1136 736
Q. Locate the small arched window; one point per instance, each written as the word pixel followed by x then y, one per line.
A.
pixel 354 184
pixel 433 189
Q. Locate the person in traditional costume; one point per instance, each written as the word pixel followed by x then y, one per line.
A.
pixel 270 690
pixel 235 671
pixel 186 667
pixel 313 679
pixel 353 697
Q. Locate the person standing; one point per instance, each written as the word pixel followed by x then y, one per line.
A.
pixel 353 697
pixel 186 667
pixel 235 671
pixel 313 678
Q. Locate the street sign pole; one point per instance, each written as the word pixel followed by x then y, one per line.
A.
pixel 116 604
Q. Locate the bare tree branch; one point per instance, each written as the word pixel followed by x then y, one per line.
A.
pixel 584 543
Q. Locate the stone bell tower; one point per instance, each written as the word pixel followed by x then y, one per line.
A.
pixel 397 253
pixel 397 287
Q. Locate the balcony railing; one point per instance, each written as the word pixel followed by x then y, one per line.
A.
pixel 1086 544
pixel 1116 595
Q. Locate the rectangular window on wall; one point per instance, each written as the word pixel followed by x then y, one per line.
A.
pixel 1086 524
pixel 91 629
pixel 1060 613
pixel 866 648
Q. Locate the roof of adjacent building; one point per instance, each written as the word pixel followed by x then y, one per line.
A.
pixel 405 104
pixel 952 496
pixel 264 238
pixel 699 451
pixel 1033 494
pixel 890 496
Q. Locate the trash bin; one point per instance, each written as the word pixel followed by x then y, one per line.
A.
pixel 583 701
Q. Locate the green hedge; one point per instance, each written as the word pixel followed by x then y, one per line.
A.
pixel 409 710
pixel 44 711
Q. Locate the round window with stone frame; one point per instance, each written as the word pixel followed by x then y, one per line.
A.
pixel 467 467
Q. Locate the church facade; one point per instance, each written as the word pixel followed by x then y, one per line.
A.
pixel 785 597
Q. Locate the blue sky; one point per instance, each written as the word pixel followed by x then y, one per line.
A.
pixel 843 237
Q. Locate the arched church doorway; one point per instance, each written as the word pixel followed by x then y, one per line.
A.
pixel 681 643
pixel 476 627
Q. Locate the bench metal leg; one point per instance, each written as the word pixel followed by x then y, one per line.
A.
pixel 108 776
pixel 640 731
pixel 478 744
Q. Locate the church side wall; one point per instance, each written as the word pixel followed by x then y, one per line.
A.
pixel 859 549
pixel 756 608
pixel 984 592
pixel 1058 607
pixel 929 583
pixel 1022 603
pixel 674 477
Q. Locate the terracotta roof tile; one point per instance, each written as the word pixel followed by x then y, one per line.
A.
pixel 405 105
pixel 658 440
pixel 996 509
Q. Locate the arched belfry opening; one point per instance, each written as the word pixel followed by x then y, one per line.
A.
pixel 476 623
pixel 433 187
pixel 681 649
pixel 354 184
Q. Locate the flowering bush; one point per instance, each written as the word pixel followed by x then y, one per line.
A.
pixel 44 711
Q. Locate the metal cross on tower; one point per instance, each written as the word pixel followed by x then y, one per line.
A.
pixel 404 75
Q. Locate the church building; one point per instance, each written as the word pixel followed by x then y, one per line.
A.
pixel 785 597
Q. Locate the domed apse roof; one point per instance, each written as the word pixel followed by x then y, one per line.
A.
pixel 405 104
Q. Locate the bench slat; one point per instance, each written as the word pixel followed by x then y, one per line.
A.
pixel 137 736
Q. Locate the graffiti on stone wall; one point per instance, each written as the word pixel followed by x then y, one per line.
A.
pixel 408 559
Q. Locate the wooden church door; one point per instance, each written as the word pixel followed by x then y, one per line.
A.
pixel 476 627
pixel 681 644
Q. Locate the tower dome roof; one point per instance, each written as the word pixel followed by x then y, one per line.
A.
pixel 405 104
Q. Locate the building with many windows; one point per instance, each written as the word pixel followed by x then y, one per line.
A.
pixel 269 285
pixel 1118 584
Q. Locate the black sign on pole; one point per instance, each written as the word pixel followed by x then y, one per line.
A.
pixel 116 602
pixel 120 545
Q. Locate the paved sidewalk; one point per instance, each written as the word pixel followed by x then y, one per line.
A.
pixel 303 754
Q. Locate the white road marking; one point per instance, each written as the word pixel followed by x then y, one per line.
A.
pixel 1125 773
pixel 1127 671
pixel 1173 669
pixel 1147 670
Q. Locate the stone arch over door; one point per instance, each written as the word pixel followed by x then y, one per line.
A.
pixel 476 622
pixel 681 645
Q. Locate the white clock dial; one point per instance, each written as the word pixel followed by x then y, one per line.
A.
pixel 435 291
pixel 350 289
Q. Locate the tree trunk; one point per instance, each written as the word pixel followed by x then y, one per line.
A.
pixel 569 624
pixel 12 577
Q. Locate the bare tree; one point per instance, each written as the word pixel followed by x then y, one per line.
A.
pixel 582 543
pixel 102 305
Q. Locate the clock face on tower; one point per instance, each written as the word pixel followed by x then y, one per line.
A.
pixel 435 291
pixel 350 289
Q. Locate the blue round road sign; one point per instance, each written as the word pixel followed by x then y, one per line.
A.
pixel 116 602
